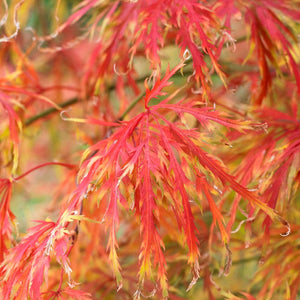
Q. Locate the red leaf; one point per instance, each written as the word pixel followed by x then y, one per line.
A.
pixel 7 218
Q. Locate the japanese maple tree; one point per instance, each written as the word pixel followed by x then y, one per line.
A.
pixel 149 149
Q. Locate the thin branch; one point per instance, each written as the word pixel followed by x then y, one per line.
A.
pixel 246 260
pixel 72 101
pixel 131 106
pixel 50 111
pixel 43 165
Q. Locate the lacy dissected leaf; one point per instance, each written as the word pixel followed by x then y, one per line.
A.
pixel 26 263
pixel 165 165
pixel 25 267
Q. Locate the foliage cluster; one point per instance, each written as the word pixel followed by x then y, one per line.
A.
pixel 157 146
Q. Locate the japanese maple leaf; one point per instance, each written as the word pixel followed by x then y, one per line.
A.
pixel 164 164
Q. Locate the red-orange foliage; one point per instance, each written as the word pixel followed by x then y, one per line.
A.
pixel 174 122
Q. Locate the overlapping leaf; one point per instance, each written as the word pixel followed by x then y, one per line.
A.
pixel 147 25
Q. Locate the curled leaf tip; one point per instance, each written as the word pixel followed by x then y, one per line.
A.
pixel 120 286
pixel 195 277
pixel 262 260
pixel 287 225
pixel 65 118
pixel 192 283
pixel 137 295
pixel 187 54
pixel 151 294
pixel 228 262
